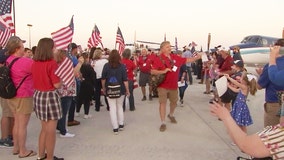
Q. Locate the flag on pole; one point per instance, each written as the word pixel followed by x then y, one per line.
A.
pixel 193 45
pixel 176 43
pixel 95 38
pixel 65 72
pixel 63 37
pixel 120 41
pixel 6 23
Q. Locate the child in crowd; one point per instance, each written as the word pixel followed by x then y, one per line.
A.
pixel 182 80
pixel 240 111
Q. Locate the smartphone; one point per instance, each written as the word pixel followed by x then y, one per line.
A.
pixel 281 51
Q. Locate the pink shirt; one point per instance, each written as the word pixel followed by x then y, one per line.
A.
pixel 20 69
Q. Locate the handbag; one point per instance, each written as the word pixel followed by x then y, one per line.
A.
pixel 157 79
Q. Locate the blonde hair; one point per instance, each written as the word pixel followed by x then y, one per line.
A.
pixel 97 54
pixel 60 55
pixel 164 43
pixel 252 84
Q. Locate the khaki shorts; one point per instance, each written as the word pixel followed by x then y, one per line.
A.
pixel 6 111
pixel 164 94
pixel 271 114
pixel 21 105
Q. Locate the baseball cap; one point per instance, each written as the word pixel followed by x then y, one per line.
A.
pixel 239 63
pixel 223 49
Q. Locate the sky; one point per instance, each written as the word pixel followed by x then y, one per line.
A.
pixel 228 21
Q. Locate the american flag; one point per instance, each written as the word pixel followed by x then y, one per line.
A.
pixel 95 38
pixel 6 23
pixel 63 37
pixel 176 44
pixel 193 44
pixel 65 72
pixel 120 41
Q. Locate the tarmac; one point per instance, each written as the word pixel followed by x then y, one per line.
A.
pixel 197 136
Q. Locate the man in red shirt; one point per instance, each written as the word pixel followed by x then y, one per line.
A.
pixel 152 56
pixel 170 64
pixel 144 64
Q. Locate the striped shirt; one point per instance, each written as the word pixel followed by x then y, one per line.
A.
pixel 273 138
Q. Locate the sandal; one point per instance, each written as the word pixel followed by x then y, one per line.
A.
pixel 16 153
pixel 43 158
pixel 30 154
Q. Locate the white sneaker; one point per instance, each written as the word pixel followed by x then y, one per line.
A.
pixel 87 116
pixel 57 131
pixel 76 114
pixel 67 135
pixel 233 144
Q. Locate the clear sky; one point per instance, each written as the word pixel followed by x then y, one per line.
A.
pixel 228 21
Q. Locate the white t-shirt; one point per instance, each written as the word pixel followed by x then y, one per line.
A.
pixel 98 66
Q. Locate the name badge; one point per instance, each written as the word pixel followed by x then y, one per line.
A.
pixel 174 68
pixel 144 64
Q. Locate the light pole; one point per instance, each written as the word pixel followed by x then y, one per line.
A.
pixel 29 25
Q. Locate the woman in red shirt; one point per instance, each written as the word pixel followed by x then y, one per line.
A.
pixel 47 104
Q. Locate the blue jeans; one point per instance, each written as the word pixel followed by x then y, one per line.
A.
pixel 74 102
pixel 188 68
pixel 131 97
pixel 65 104
pixel 182 90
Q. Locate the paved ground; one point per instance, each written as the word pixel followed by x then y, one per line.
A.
pixel 196 136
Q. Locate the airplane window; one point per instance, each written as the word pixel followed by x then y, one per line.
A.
pixel 245 40
pixel 254 40
pixel 264 42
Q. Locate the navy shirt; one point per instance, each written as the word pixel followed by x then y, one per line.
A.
pixel 270 88
pixel 119 72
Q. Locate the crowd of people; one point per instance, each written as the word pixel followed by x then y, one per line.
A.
pixel 66 80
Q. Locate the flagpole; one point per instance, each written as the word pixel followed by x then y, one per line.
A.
pixel 208 42
pixel 14 16
pixel 134 39
pixel 116 35
pixel 283 33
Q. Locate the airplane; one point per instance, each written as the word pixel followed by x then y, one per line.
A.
pixel 255 49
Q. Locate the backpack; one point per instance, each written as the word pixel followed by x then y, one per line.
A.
pixel 7 88
pixel 113 88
